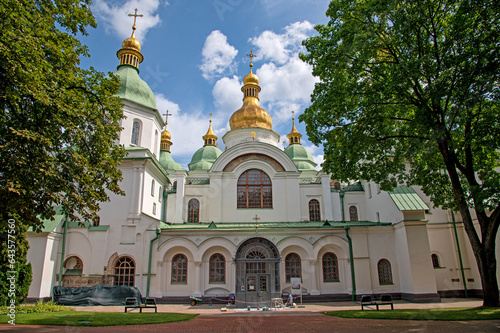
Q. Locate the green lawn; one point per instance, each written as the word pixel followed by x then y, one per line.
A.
pixel 81 318
pixel 480 313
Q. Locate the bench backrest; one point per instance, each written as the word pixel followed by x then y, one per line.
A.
pixel 150 301
pixel 366 299
pixel 130 301
pixel 386 298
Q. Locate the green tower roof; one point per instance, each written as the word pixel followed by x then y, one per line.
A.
pixel 204 158
pixel 133 88
pixel 301 157
pixel 167 162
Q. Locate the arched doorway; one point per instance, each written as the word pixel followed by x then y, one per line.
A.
pixel 257 272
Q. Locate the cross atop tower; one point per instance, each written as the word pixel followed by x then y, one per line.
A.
pixel 135 15
pixel 251 55
pixel 166 117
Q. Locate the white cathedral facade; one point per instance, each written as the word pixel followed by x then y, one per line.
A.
pixel 247 220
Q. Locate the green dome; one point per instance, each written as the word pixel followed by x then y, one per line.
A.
pixel 204 158
pixel 301 157
pixel 167 162
pixel 133 88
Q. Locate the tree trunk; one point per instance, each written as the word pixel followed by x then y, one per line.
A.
pixel 487 265
pixel 484 248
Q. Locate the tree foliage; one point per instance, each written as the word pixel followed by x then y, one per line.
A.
pixel 415 83
pixel 58 122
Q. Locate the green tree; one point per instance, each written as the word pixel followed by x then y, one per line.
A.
pixel 58 122
pixel 415 83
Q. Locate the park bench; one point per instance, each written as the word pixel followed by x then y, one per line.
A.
pixel 385 299
pixel 149 303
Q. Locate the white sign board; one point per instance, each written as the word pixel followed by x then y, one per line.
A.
pixel 296 285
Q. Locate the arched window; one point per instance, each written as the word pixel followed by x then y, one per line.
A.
pixel 435 260
pixel 193 211
pixel 292 266
pixel 330 268
pixel 96 222
pixel 136 132
pixel 153 188
pixel 353 213
pixel 217 268
pixel 255 190
pixel 314 214
pixel 179 269
pixel 124 272
pixel 384 272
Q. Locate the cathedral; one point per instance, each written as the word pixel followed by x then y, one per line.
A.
pixel 248 220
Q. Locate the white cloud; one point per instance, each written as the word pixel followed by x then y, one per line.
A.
pixel 280 47
pixel 287 82
pixel 185 142
pixel 117 21
pixel 227 96
pixel 218 56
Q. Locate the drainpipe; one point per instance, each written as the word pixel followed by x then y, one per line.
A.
pixel 158 231
pixel 65 227
pixel 459 253
pixel 342 204
pixel 349 240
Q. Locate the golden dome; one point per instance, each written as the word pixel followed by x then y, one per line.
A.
pixel 250 78
pixel 251 114
pixel 294 135
pixel 131 43
pixel 210 138
pixel 130 53
pixel 165 139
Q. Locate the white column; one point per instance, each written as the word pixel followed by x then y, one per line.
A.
pixel 327 197
pixel 159 280
pixel 179 204
pixel 315 276
pixel 198 278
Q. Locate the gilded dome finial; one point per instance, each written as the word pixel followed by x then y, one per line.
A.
pixel 251 55
pixel 135 15
pixel 210 138
pixel 294 135
pixel 130 53
pixel 165 135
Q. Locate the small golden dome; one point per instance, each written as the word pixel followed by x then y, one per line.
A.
pixel 131 43
pixel 250 78
pixel 210 138
pixel 165 139
pixel 294 135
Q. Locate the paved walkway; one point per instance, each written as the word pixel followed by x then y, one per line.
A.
pixel 307 319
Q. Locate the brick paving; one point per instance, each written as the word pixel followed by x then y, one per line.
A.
pixel 308 319
pixel 269 323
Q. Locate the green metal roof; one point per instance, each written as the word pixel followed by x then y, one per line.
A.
pixel 301 157
pixel 406 198
pixel 354 187
pixel 271 225
pixel 204 158
pixel 167 162
pixel 133 88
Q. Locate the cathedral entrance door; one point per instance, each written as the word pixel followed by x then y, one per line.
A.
pixel 257 273
pixel 258 291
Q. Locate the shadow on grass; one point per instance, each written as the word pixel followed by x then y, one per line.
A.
pixel 75 318
pixel 480 313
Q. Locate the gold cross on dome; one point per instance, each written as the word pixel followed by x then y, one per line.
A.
pixel 251 55
pixel 135 15
pixel 166 117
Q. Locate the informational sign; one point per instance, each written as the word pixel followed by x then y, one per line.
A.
pixel 296 286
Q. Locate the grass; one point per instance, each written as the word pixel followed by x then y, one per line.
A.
pixel 81 318
pixel 453 314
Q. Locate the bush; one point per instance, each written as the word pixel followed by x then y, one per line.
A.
pixel 40 306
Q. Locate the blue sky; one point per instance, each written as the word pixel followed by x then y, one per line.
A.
pixel 195 59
